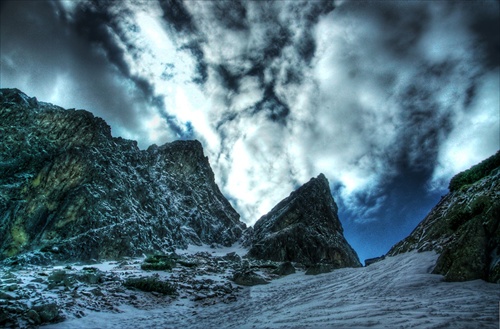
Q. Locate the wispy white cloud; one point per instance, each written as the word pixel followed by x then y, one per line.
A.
pixel 475 135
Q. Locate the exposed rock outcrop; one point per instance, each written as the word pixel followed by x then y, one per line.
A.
pixel 70 189
pixel 285 268
pixel 248 277
pixel 370 261
pixel 304 228
pixel 463 228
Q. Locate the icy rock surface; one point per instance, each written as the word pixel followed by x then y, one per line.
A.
pixel 464 229
pixel 69 190
pixel 304 228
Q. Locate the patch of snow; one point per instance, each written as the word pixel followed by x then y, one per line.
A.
pixel 218 251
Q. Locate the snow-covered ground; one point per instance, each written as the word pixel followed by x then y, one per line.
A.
pixel 237 248
pixel 398 292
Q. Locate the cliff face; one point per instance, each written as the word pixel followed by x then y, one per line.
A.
pixel 70 189
pixel 464 229
pixel 305 228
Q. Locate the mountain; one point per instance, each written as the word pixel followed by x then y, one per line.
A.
pixel 72 191
pixel 305 228
pixel 464 226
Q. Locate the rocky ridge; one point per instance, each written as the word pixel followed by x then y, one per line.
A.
pixel 69 190
pixel 304 228
pixel 464 228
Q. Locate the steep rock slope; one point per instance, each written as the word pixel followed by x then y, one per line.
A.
pixel 304 227
pixel 464 227
pixel 69 188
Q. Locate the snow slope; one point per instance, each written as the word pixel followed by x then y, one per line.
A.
pixel 397 292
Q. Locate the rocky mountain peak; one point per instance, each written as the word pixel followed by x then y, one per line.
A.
pixel 185 155
pixel 304 227
pixel 15 97
pixel 69 190
pixel 312 197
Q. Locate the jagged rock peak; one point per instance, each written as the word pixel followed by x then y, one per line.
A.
pixel 189 148
pixel 309 195
pixel 16 97
pixel 464 227
pixel 304 227
pixel 71 190
pixel 187 155
pixel 74 128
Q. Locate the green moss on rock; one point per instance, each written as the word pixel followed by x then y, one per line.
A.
pixel 158 263
pixel 151 284
pixel 475 173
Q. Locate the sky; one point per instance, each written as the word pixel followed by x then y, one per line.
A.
pixel 388 99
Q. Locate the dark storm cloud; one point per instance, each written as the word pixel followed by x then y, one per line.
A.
pixel 39 52
pixel 201 69
pixel 176 14
pixel 306 47
pixel 272 42
pixel 100 24
pixel 404 23
pixel 65 47
pixel 185 31
pixel 261 56
pixel 483 22
pixel 278 35
pixel 425 123
pixel 274 109
pixel 485 28
pixel 393 96
pixel 231 14
pixel 94 22
pixel 308 15
pixel 228 80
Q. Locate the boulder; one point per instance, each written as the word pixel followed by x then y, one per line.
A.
pixel 319 268
pixel 233 257
pixel 248 278
pixel 47 312
pixel 370 261
pixel 285 268
pixel 34 317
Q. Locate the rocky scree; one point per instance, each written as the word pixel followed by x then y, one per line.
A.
pixel 32 295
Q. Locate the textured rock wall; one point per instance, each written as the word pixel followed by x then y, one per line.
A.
pixel 304 228
pixel 71 190
pixel 464 228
